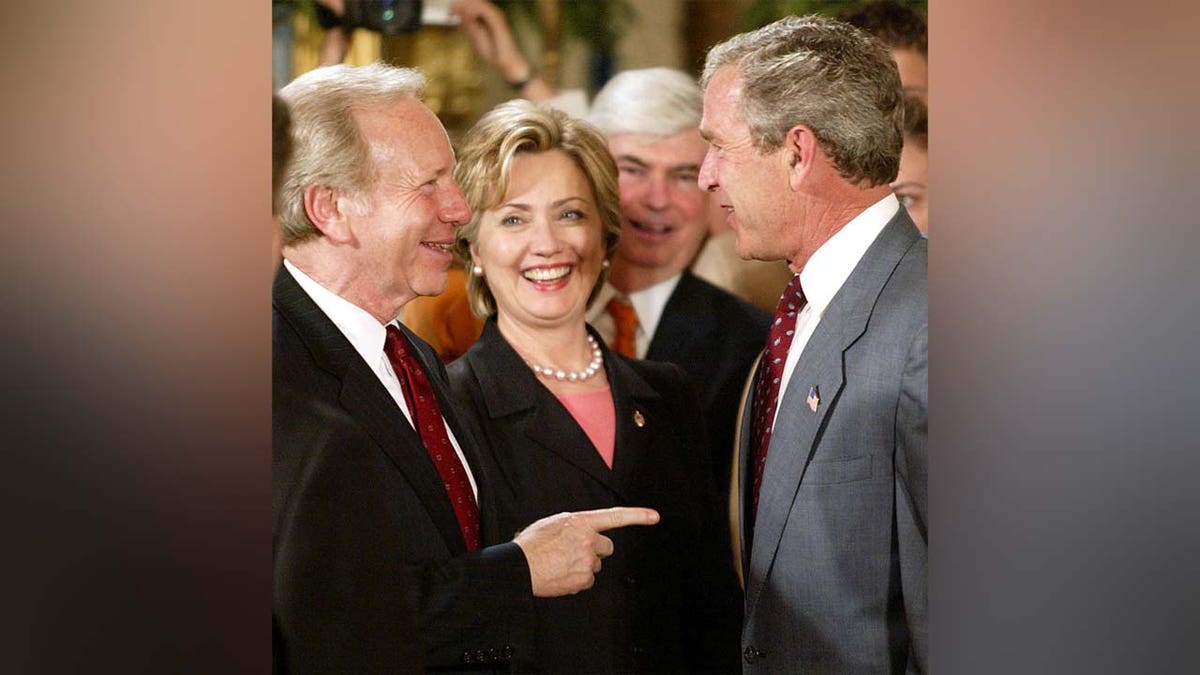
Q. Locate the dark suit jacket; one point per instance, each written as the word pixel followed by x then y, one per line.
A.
pixel 667 599
pixel 714 337
pixel 836 577
pixel 365 540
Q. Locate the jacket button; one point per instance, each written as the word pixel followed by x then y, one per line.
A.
pixel 508 651
pixel 629 580
pixel 480 656
pixel 751 654
pixel 466 657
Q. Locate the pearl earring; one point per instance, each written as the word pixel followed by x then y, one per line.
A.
pixel 477 271
pixel 604 265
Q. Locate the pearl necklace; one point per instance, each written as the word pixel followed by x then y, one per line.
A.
pixel 573 375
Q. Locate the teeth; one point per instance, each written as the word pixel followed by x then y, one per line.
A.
pixel 440 247
pixel 547 273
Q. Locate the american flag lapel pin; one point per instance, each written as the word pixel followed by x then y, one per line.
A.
pixel 814 398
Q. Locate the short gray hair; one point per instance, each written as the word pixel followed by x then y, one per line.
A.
pixel 655 101
pixel 327 146
pixel 827 75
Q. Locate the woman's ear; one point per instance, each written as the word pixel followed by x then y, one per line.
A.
pixel 476 268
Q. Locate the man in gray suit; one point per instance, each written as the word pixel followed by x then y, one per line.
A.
pixel 804 121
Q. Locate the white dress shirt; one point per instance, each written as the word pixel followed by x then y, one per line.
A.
pixel 826 271
pixel 650 303
pixel 367 336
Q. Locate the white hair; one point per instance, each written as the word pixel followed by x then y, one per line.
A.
pixel 327 146
pixel 655 101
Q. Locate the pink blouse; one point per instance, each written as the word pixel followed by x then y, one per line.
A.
pixel 593 410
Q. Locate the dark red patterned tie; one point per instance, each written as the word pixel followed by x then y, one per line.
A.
pixel 427 417
pixel 770 372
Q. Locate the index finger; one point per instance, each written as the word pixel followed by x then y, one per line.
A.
pixel 618 516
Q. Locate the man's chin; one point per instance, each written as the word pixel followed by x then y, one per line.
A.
pixel 433 285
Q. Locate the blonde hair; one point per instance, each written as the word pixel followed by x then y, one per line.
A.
pixel 485 163
pixel 327 146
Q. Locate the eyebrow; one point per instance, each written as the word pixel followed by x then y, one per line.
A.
pixel 690 166
pixel 554 204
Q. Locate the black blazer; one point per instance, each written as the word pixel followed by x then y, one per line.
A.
pixel 366 546
pixel 714 337
pixel 667 599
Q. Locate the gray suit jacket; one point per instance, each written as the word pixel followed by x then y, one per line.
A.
pixel 837 554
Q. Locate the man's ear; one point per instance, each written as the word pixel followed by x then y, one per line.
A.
pixel 800 150
pixel 323 205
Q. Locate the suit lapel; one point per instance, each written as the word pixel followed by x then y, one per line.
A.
pixel 364 397
pixel 688 320
pixel 512 392
pixel 797 433
pixel 634 401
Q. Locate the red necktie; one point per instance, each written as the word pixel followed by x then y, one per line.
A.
pixel 427 417
pixel 770 372
pixel 625 318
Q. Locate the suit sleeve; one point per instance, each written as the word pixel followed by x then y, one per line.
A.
pixel 912 471
pixel 362 586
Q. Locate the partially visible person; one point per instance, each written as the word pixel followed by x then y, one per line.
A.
pixel 903 29
pixel 487 27
pixel 656 308
pixel 445 321
pixel 574 425
pixel 281 151
pixel 340 18
pixel 336 36
pixel 912 182
pixel 803 118
pixel 651 118
pixel 385 532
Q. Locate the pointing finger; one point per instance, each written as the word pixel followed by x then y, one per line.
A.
pixel 618 516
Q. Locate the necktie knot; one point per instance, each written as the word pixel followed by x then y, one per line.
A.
pixel 395 344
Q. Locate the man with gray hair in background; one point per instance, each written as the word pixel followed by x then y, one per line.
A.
pixel 651 120
pixel 804 118
pixel 386 551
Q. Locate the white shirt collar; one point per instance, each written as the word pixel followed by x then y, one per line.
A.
pixel 650 303
pixel 363 331
pixel 832 263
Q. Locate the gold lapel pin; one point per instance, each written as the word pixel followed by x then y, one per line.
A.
pixel 638 419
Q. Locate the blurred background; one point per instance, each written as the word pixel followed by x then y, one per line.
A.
pixel 576 45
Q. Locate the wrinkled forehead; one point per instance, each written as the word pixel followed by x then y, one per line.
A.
pixel 405 134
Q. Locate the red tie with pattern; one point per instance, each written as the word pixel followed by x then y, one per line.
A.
pixel 427 417
pixel 770 372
